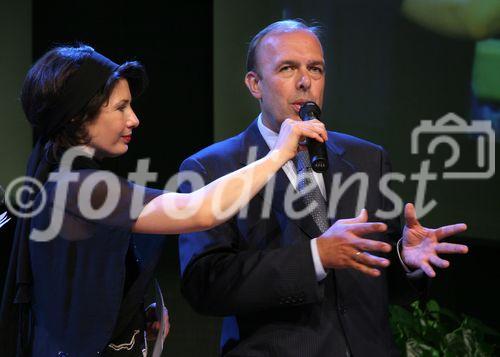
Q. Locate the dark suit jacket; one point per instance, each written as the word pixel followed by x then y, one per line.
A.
pixel 259 273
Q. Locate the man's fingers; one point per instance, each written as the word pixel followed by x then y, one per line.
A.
pixel 447 231
pixel 370 260
pixel 451 248
pixel 361 218
pixel 371 245
pixel 365 269
pixel 426 267
pixel 440 263
pixel 411 216
pixel 361 229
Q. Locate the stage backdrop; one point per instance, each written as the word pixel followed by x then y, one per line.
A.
pixel 385 74
pixel 15 59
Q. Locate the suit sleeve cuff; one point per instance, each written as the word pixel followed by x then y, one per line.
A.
pixel 318 267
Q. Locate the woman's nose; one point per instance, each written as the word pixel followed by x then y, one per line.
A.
pixel 133 121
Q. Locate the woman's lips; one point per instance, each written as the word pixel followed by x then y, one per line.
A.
pixel 127 138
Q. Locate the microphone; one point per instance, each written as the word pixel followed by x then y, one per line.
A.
pixel 317 150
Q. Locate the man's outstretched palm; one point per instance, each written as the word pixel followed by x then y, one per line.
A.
pixel 422 245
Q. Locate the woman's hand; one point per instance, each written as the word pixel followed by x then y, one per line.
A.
pixel 293 132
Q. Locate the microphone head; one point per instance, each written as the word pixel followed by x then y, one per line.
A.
pixel 309 110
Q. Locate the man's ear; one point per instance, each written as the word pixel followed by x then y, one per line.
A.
pixel 252 81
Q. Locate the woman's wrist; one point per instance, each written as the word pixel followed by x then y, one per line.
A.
pixel 278 157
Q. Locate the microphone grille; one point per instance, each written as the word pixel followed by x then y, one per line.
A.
pixel 309 109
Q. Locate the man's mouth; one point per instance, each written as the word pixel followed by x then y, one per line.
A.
pixel 297 104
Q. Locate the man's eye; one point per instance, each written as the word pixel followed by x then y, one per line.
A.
pixel 286 68
pixel 317 69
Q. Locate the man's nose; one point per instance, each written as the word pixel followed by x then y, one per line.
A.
pixel 304 81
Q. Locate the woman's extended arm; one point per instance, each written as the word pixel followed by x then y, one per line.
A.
pixel 218 201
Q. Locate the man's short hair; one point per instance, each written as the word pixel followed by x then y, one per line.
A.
pixel 282 26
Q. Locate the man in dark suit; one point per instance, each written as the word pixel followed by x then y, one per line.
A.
pixel 286 285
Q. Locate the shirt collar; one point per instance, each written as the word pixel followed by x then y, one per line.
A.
pixel 270 137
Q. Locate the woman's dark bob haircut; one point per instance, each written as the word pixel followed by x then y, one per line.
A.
pixel 43 87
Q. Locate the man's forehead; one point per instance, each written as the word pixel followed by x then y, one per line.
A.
pixel 300 41
pixel 292 46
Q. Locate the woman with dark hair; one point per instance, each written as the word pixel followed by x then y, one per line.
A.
pixel 74 287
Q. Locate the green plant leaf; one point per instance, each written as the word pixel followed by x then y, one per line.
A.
pixel 433 306
pixel 477 325
pixel 416 348
pixel 461 342
pixel 402 321
pixel 432 331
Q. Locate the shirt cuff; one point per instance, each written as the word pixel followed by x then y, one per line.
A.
pixel 318 267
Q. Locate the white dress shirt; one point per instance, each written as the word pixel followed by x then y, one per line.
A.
pixel 270 137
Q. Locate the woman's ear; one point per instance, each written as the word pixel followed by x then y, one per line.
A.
pixel 252 82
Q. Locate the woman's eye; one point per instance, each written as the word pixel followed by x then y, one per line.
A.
pixel 122 108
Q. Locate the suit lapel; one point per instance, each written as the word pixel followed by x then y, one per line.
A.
pixel 253 139
pixel 340 167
